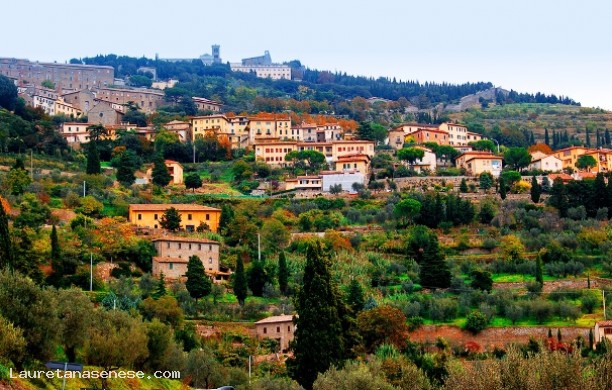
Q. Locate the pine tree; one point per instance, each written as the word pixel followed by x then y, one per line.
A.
pixel 198 284
pixel 240 281
pixel 355 298
pixel 502 188
pixel 6 243
pixel 160 175
pixel 463 188
pixel 283 273
pixel 93 159
pixel 160 290
pixel 434 271
pixel 536 190
pixel 320 339
pixel 171 220
pixel 546 138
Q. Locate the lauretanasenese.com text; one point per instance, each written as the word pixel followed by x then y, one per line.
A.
pixel 92 374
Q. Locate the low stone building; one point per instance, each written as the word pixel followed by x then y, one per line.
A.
pixel 603 330
pixel 279 328
pixel 173 255
pixel 104 114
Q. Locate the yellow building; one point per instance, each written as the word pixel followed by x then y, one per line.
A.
pixel 358 162
pixel 476 163
pixel 192 215
pixel 63 108
pixel 603 157
pixel 569 156
pixel 201 125
pixel 269 125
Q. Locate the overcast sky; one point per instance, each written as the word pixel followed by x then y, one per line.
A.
pixel 562 47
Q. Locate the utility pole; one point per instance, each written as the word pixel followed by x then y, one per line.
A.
pixel 31 165
pixel 83 188
pixel 258 246
pixel 194 151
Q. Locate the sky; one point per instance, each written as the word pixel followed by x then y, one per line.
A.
pixel 556 47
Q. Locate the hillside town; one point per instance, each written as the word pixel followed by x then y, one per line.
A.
pixel 225 245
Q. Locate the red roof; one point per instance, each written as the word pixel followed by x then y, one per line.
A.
pixel 562 176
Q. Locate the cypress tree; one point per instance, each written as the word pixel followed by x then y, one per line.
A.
pixel 549 333
pixel 502 188
pixel 591 339
pixel 6 244
pixel 539 276
pixel 160 175
pixel 257 277
pixel 559 337
pixel 607 137
pixel 588 138
pixel 546 138
pixel 283 273
pixel 600 194
pixel 319 336
pixel 536 190
pixel 240 281
pixel 126 169
pixel 56 256
pixel 198 284
pixel 93 159
pixel 598 140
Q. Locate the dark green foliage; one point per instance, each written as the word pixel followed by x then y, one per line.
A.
pixel 423 247
pixel 198 284
pixel 160 175
pixel 258 277
pixel 536 190
pixel 487 212
pixel 372 131
pixel 283 274
pixel 503 190
pixel 546 137
pixel 558 197
pixel 322 336
pixel 6 243
pixel 171 220
pixel 476 322
pixel 410 155
pixel 586 162
pixel 481 280
pixel 160 290
pixel 354 297
pixel 93 159
pixel 463 188
pixel 8 93
pixel 240 281
pixel 227 216
pixel 126 166
pixel 135 117
pixel 539 277
pixel 486 180
pixel 193 181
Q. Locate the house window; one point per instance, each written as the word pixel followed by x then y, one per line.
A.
pixel 210 247
pixel 168 245
pixel 189 246
pixel 208 217
pixel 189 217
pixel 155 217
pixel 210 260
pixel 278 329
pixel 139 217
pixel 265 330
pixel 170 265
pixel 179 245
pixel 289 329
